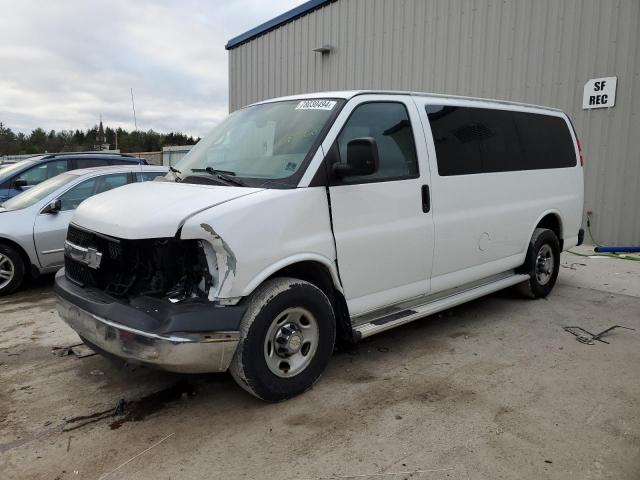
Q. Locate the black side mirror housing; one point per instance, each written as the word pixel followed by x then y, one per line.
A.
pixel 362 158
pixel 19 184
pixel 53 207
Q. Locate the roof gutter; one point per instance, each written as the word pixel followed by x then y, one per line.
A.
pixel 276 22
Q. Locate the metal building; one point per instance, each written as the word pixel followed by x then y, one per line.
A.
pixel 541 52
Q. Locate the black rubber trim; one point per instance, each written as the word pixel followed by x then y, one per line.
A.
pixel 580 236
pixel 393 316
pixel 150 314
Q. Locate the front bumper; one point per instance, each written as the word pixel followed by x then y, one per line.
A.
pixel 184 352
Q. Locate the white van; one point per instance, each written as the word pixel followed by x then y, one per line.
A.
pixel 303 221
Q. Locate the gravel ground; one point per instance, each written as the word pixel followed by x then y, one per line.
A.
pixel 491 389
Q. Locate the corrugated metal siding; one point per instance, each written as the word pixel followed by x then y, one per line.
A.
pixel 538 52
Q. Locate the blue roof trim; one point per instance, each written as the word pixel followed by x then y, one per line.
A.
pixel 276 22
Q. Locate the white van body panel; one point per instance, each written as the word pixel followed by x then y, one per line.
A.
pixel 151 209
pixel 266 232
pixel 384 240
pixel 483 222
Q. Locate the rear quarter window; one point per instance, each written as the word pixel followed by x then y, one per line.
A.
pixel 122 161
pixel 91 162
pixel 472 140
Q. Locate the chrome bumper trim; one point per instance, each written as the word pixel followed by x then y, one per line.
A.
pixel 183 353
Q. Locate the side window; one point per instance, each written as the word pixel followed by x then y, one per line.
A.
pixel 483 140
pixel 546 141
pixel 388 123
pixel 91 162
pixel 44 171
pixel 121 162
pixel 148 176
pixel 456 137
pixel 76 195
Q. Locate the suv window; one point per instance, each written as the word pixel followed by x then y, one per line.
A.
pixel 44 171
pixel 120 161
pixel 480 140
pixel 91 162
pixel 147 176
pixel 388 123
pixel 76 195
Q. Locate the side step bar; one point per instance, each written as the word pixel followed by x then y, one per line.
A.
pixel 436 305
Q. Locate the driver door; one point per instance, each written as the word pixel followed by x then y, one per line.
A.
pixel 50 229
pixel 383 228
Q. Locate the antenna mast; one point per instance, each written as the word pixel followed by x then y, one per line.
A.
pixel 133 106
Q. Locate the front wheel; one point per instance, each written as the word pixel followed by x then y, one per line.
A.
pixel 286 339
pixel 542 264
pixel 11 269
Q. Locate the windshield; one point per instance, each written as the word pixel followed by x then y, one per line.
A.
pixel 9 171
pixel 39 192
pixel 262 143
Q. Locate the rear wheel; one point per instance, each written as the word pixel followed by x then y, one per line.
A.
pixel 11 269
pixel 542 264
pixel 286 339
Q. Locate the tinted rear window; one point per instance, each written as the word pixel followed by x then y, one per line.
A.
pixel 480 140
pixel 91 162
pixel 123 161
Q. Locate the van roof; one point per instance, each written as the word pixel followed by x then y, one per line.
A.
pixel 348 94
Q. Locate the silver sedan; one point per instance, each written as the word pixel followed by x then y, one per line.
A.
pixel 33 225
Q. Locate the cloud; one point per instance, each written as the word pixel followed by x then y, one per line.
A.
pixel 65 63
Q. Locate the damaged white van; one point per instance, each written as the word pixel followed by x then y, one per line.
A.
pixel 304 221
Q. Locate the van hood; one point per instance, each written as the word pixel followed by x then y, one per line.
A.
pixel 151 209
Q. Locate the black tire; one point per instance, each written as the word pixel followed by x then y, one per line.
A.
pixel 10 261
pixel 267 306
pixel 542 263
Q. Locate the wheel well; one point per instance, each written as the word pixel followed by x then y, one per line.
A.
pixel 25 258
pixel 553 223
pixel 319 275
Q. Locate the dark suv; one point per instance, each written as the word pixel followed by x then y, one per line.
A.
pixel 23 175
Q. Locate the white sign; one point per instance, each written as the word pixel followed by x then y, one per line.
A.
pixel 600 93
pixel 316 105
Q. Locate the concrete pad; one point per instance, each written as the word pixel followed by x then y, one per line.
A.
pixel 492 389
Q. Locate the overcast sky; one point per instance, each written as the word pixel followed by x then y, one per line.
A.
pixel 65 62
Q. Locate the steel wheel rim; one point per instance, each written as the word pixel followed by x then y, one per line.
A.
pixel 291 342
pixel 545 263
pixel 7 270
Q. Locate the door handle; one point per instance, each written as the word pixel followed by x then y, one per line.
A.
pixel 426 199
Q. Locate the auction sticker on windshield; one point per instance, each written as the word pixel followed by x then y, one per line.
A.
pixel 316 105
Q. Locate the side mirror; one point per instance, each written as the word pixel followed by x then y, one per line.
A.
pixel 362 158
pixel 19 184
pixel 53 207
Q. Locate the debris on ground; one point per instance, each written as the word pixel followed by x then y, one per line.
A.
pixel 80 350
pixel 588 338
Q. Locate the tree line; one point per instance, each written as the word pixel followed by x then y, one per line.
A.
pixel 40 141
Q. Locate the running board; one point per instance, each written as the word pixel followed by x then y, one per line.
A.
pixel 436 305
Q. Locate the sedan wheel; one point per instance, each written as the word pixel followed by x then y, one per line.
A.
pixel 11 269
pixel 7 271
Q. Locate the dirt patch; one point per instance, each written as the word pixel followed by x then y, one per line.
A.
pixel 138 410
pixel 135 410
pixel 41 307
pixel 460 334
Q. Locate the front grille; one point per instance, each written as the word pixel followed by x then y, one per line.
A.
pixel 153 267
pixel 79 237
pixel 110 248
pixel 78 272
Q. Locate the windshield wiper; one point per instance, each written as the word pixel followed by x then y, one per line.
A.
pixel 224 175
pixel 175 172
